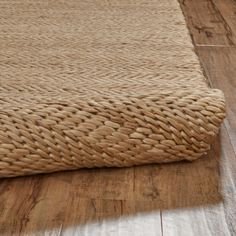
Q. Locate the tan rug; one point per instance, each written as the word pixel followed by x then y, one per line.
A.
pixel 100 83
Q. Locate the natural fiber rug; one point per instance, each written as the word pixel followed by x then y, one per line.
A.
pixel 100 83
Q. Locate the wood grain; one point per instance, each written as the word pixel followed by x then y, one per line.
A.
pixel 175 199
pixel 208 23
pixel 227 10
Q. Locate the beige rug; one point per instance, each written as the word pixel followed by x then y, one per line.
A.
pixel 100 83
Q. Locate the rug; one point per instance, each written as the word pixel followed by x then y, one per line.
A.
pixel 99 84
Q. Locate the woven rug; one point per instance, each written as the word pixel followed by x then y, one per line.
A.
pixel 100 83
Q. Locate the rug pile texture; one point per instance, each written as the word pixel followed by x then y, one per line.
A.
pixel 100 83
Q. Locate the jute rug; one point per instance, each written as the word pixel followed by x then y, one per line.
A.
pixel 100 83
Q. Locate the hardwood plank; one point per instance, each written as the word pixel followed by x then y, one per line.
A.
pixel 67 203
pixel 209 219
pixel 207 23
pixel 96 217
pixel 117 218
pixel 200 221
pixel 227 9
pixel 182 184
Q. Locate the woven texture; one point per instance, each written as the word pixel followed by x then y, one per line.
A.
pixel 100 83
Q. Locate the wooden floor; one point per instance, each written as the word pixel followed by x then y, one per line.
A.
pixel 176 199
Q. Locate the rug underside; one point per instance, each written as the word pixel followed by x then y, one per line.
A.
pixel 100 83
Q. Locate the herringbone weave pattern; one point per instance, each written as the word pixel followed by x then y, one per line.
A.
pixel 100 83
